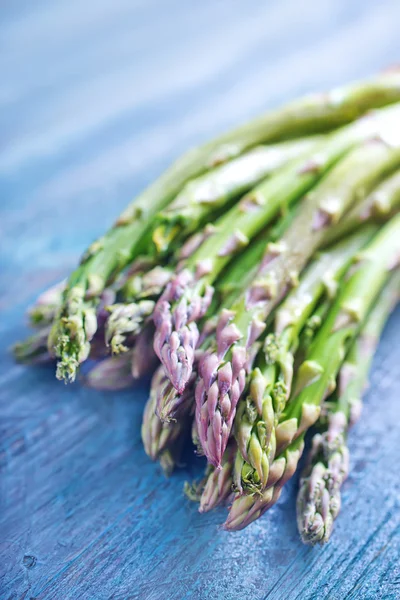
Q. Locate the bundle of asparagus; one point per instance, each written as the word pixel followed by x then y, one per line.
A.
pixel 259 270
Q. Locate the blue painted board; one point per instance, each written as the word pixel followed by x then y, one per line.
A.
pixel 96 98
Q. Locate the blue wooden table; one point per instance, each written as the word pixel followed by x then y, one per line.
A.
pixel 95 99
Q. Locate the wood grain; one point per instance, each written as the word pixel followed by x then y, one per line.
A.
pixel 96 98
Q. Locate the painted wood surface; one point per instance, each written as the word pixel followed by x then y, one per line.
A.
pixel 95 99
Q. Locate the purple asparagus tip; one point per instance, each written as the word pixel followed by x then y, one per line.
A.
pixel 319 498
pixel 177 335
pixel 219 389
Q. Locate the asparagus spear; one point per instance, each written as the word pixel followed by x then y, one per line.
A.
pixel 125 320
pixel 310 330
pixel 270 382
pixel 144 361
pixel 187 297
pixel 76 323
pixel 159 437
pixel 111 374
pixel 380 205
pixel 247 508
pixel 204 197
pixel 216 486
pixel 316 376
pixel 120 371
pixel 223 369
pixel 319 497
pixel 171 405
pixel 33 350
pixel 128 318
pixel 47 305
pixel 242 270
pixel 139 292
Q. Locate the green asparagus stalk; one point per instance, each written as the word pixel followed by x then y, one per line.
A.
pixel 242 270
pixel 348 183
pixel 76 323
pixel 380 205
pixel 312 326
pixel 317 374
pixel 124 323
pixel 223 369
pixel 270 382
pixel 319 497
pixel 205 197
